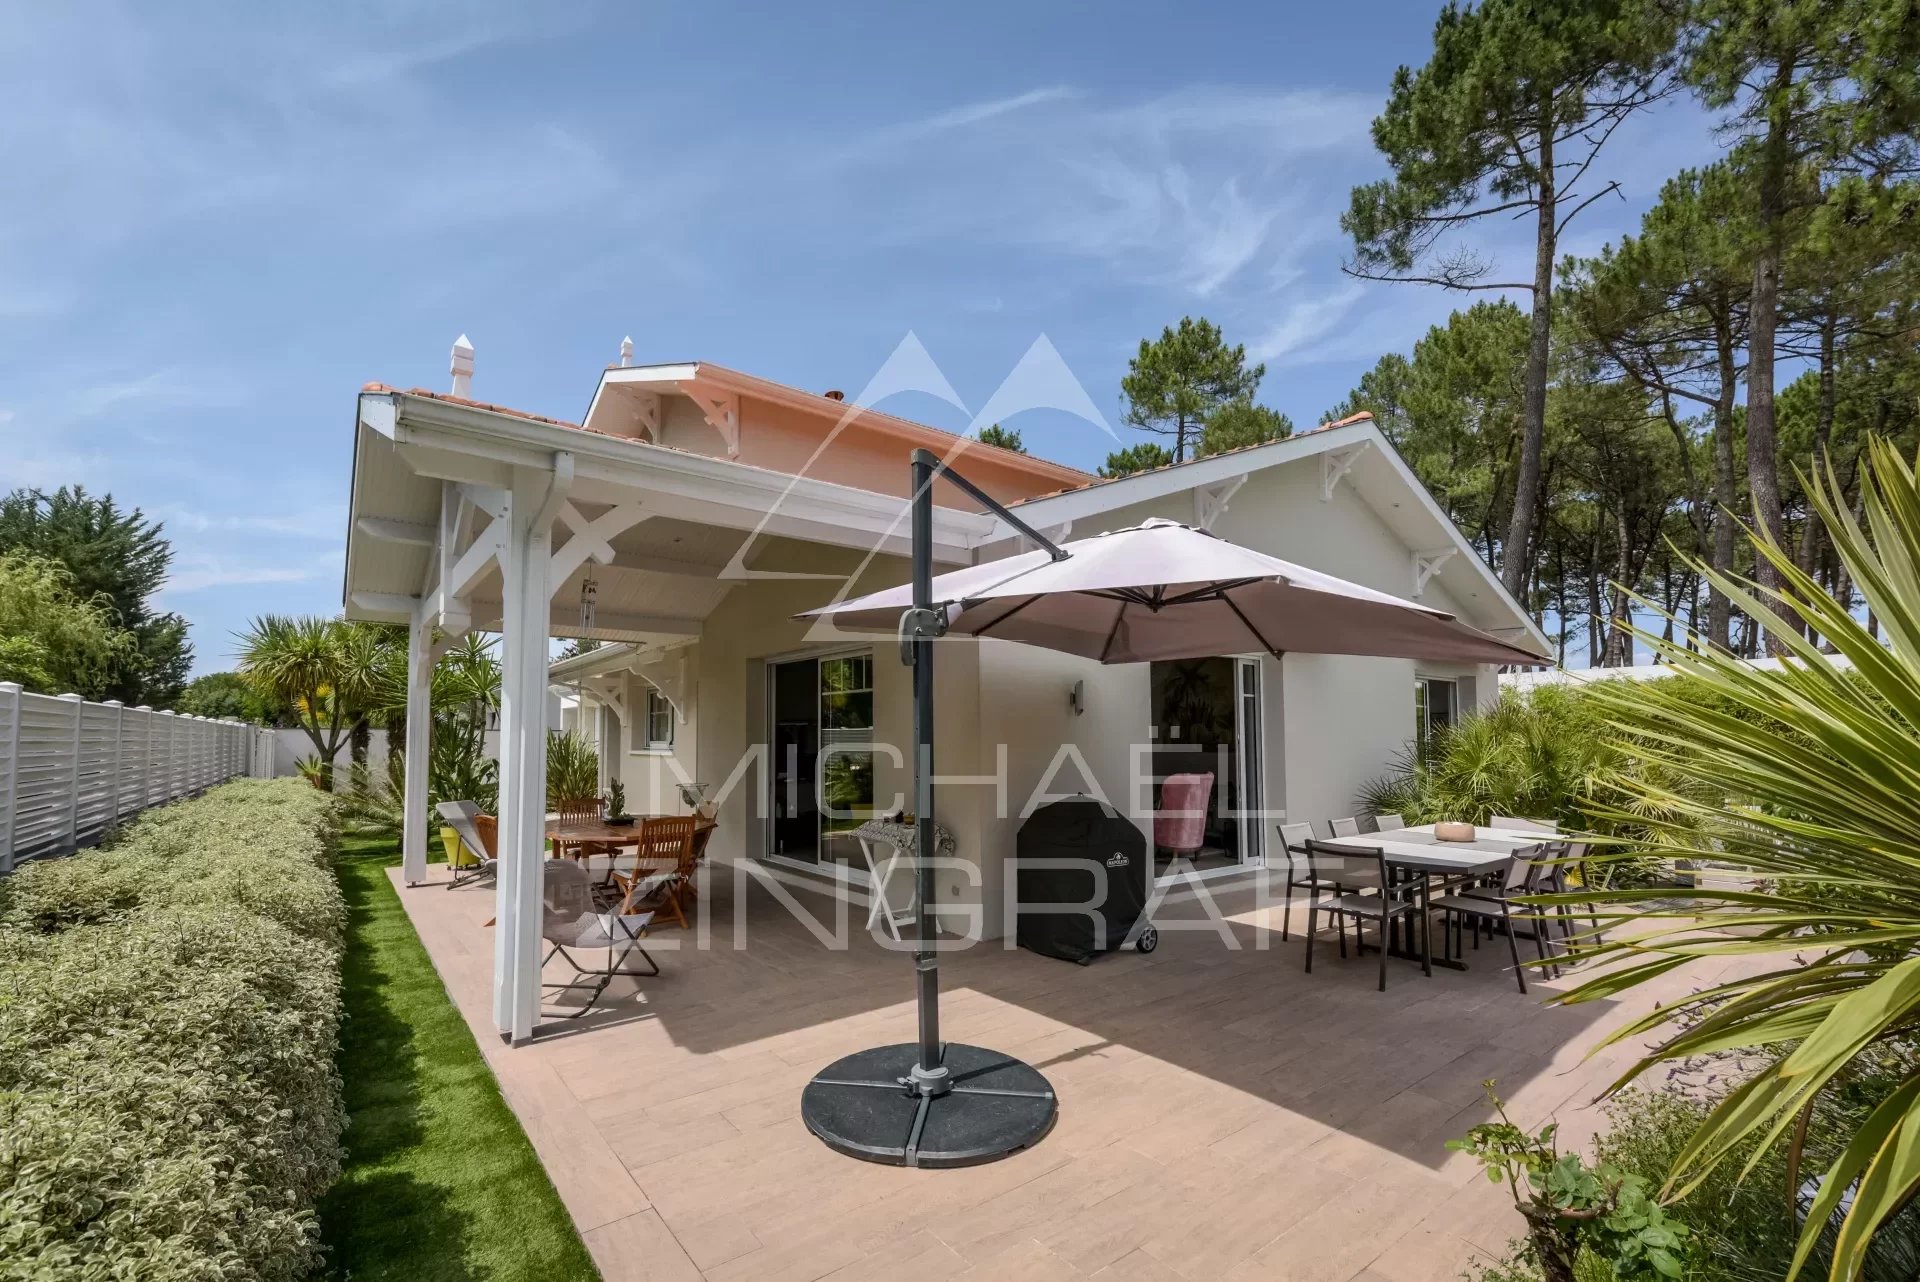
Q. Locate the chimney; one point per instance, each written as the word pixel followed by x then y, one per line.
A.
pixel 626 350
pixel 462 367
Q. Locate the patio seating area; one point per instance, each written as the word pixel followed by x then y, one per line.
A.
pixel 1222 1113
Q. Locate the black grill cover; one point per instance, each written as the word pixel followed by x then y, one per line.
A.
pixel 1088 833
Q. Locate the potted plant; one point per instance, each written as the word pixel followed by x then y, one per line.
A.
pixel 617 804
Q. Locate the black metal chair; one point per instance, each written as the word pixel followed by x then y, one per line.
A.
pixel 1337 866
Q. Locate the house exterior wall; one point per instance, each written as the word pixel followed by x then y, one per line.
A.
pixel 864 453
pixel 1332 722
pixel 1023 703
pixel 987 693
pixel 653 775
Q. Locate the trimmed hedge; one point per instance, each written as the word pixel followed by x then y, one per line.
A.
pixel 169 1013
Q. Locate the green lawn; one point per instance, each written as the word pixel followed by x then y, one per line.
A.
pixel 440 1184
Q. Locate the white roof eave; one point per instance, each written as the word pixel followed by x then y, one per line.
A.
pixel 494 440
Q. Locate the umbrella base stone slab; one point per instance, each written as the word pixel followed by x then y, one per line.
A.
pixel 864 1106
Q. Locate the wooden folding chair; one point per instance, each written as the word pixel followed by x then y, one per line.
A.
pixel 583 810
pixel 662 873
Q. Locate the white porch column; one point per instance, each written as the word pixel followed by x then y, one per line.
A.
pixel 413 841
pixel 531 506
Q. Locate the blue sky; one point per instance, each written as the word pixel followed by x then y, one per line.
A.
pixel 219 221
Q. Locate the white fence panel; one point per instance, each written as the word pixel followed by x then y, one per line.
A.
pixel 130 787
pixel 93 782
pixel 160 759
pixel 70 770
pixel 45 776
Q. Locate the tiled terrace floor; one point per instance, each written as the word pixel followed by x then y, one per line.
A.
pixel 1222 1114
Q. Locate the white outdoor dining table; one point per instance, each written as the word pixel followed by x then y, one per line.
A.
pixel 1418 848
pixel 1419 851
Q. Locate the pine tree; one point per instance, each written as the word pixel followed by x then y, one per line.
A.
pixel 1668 309
pixel 1238 424
pixel 1812 90
pixel 1454 411
pixel 1505 119
pixel 1136 458
pixel 1178 381
pixel 1005 438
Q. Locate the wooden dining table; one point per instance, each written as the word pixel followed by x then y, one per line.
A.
pixel 1418 853
pixel 582 838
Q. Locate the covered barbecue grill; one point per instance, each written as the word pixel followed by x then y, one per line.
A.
pixel 1092 862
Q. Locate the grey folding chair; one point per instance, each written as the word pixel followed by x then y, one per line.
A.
pixel 1334 866
pixel 1344 827
pixel 1526 874
pixel 570 920
pixel 461 816
pixel 1554 880
pixel 1571 854
pixel 1388 822
pixel 1293 848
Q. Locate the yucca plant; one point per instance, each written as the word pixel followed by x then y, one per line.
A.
pixel 1804 782
pixel 327 672
pixel 573 770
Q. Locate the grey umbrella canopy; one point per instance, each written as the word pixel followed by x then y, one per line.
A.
pixel 1162 590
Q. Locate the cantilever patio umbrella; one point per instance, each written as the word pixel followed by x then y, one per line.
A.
pixel 1160 590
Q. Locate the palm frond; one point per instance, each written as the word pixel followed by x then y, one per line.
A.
pixel 1806 780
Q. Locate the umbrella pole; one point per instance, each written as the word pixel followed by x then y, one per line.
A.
pixel 929 1103
pixel 929 1073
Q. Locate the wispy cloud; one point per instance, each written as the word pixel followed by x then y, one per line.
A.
pixel 287 108
pixel 325 521
pixel 1191 191
pixel 172 388
pixel 36 466
pixel 975 113
pixel 1305 325
pixel 200 574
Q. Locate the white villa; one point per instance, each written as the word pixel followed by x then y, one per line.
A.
pixel 695 510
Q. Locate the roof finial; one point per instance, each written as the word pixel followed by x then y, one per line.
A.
pixel 462 366
pixel 626 350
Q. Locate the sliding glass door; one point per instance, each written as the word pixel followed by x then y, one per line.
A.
pixel 1249 761
pixel 821 742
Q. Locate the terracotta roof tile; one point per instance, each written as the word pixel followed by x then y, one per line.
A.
pixel 472 404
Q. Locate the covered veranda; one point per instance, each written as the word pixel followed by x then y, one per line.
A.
pixel 465 516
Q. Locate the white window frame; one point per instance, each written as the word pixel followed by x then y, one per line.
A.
pixel 1423 684
pixel 657 703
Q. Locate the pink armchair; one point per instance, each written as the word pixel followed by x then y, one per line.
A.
pixel 1181 822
